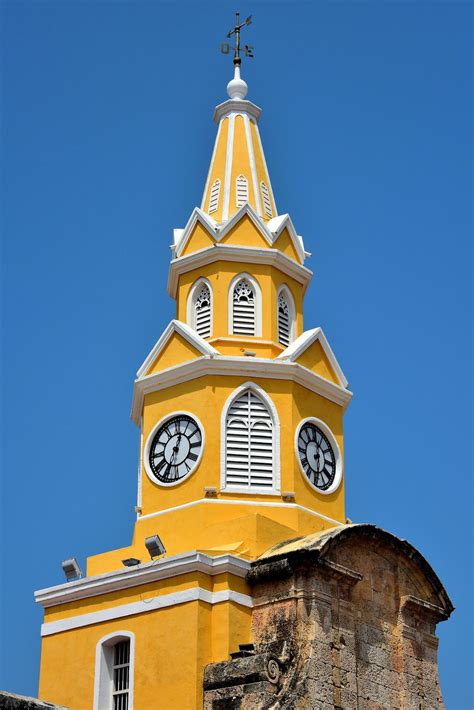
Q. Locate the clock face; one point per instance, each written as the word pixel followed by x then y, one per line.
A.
pixel 175 449
pixel 317 457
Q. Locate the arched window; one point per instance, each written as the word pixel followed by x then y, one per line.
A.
pixel 214 196
pixel 267 205
pixel 285 317
pixel 244 306
pixel 241 190
pixel 250 442
pixel 113 686
pixel 200 308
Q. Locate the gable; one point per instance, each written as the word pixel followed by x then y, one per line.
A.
pixel 285 244
pixel 245 233
pixel 176 351
pixel 315 359
pixel 198 239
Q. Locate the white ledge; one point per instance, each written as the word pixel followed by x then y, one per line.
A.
pixel 141 574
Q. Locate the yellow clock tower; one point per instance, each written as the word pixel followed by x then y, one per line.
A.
pixel 240 416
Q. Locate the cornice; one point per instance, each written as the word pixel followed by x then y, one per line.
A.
pixel 141 574
pixel 298 346
pixel 236 366
pixel 237 106
pixel 247 255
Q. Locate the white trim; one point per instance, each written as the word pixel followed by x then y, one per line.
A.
pixel 297 347
pixel 275 490
pixel 269 183
pixel 237 366
pixel 270 230
pixel 140 468
pixel 242 339
pixel 144 573
pixel 190 306
pixel 337 452
pixel 188 333
pixel 292 308
pixel 144 605
pixel 253 169
pixel 241 106
pixel 146 452
pixel 211 166
pixel 101 702
pixel 258 304
pixel 241 254
pixel 223 501
pixel 228 166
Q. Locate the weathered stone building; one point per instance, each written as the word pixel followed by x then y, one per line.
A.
pixel 345 618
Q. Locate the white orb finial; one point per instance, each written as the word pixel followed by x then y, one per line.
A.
pixel 237 87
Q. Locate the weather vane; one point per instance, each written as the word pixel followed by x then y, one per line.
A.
pixel 226 47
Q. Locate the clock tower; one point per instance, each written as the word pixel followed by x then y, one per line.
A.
pixel 239 408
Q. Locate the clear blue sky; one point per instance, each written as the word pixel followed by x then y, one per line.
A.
pixel 106 140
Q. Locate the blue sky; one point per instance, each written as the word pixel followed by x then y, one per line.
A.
pixel 106 140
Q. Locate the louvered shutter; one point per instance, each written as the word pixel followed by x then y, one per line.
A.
pixel 214 196
pixel 283 320
pixel 202 313
pixel 243 309
pixel 241 190
pixel 267 205
pixel 249 443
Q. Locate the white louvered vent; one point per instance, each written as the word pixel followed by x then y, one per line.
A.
pixel 283 320
pixel 214 196
pixel 243 309
pixel 249 443
pixel 267 205
pixel 202 312
pixel 121 675
pixel 241 190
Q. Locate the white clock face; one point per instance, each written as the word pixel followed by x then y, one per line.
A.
pixel 317 457
pixel 175 449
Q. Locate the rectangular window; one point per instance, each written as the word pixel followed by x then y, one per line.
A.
pixel 121 671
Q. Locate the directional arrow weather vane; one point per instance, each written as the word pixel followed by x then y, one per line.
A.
pixel 226 47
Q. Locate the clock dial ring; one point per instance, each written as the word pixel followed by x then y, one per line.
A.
pixel 173 449
pixel 318 455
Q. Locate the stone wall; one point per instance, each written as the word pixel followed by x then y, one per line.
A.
pixel 10 701
pixel 343 619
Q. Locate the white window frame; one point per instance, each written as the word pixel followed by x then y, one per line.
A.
pixel 104 661
pixel 259 392
pixel 284 289
pixel 258 305
pixel 337 453
pixel 191 309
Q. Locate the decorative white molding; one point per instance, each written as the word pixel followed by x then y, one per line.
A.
pixel 275 490
pixel 217 232
pixel 297 347
pixel 337 453
pixel 229 365
pixel 144 573
pixel 191 306
pixel 269 183
pixel 240 106
pixel 253 168
pixel 151 604
pixel 103 677
pixel 258 303
pixel 213 157
pixel 228 167
pixel 149 441
pixel 188 333
pixel 237 339
pixel 245 255
pixel 241 501
pixel 285 289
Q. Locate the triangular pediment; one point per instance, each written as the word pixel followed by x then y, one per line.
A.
pixel 312 351
pixel 245 228
pixel 179 343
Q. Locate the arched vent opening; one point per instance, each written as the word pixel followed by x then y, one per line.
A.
pixel 241 190
pixel 249 443
pixel 214 196
pixel 267 205
pixel 243 308
pixel 284 320
pixel 202 311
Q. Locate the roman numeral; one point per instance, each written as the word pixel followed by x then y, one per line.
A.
pixel 192 457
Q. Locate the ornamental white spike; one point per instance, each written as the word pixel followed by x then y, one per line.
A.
pixel 237 88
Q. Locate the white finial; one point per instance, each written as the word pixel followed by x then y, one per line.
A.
pixel 237 87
